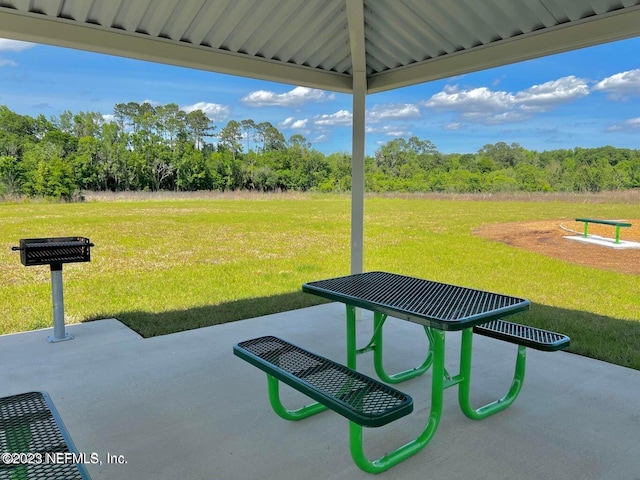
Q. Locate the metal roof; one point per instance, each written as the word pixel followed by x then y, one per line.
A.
pixel 320 43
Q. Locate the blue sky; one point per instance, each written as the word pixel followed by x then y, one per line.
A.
pixel 585 98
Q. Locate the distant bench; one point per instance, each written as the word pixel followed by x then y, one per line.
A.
pixel 615 223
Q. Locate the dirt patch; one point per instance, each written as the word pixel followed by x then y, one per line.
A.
pixel 547 237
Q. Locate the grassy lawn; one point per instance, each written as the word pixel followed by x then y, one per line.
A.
pixel 165 265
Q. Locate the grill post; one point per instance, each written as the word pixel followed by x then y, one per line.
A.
pixel 54 252
pixel 57 297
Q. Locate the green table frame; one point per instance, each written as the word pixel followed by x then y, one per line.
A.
pixel 435 328
pixel 615 223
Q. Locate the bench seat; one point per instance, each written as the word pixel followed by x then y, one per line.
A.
pixel 30 425
pixel 359 398
pixel 615 223
pixel 524 335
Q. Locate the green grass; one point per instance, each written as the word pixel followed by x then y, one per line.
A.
pixel 166 265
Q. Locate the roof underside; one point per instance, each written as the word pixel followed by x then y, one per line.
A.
pixel 319 43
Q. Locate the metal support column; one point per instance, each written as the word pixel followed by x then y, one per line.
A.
pixel 57 297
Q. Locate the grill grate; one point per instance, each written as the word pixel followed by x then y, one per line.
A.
pixel 415 296
pixel 352 389
pixel 48 251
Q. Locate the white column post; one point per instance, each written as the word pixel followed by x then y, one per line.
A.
pixel 357 172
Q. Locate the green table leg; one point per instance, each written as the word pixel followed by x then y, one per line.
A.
pixel 376 346
pixel 393 458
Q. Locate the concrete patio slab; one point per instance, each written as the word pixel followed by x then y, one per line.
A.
pixel 183 406
pixel 604 241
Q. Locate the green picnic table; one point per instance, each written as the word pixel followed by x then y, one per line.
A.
pixel 439 308
pixel 615 223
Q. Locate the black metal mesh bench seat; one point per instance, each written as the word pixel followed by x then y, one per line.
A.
pixel 523 335
pixel 353 395
pixel 30 425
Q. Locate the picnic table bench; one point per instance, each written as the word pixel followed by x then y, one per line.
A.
pixel 615 223
pixel 34 442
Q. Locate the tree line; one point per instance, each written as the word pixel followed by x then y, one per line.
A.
pixel 142 147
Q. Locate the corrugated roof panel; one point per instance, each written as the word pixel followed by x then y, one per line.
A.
pixel 77 10
pixel 271 23
pixel 181 18
pixel 336 59
pixel 103 13
pixel 520 17
pixel 536 9
pixel 239 37
pixel 399 31
pixel 575 10
pixel 51 8
pixel 228 19
pixel 497 19
pixel 130 15
pixel 200 24
pixel 157 16
pixel 336 45
pixel 456 35
pixel 324 31
pixel 280 38
pixel 251 36
pixel 317 38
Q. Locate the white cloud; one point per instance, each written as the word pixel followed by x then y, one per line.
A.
pixel 390 130
pixel 342 118
pixel 545 96
pixel 392 111
pixel 482 105
pixel 621 86
pixel 14 45
pixel 453 126
pixel 214 111
pixel 322 137
pixel 294 124
pixel 293 98
pixel 109 118
pixel 631 125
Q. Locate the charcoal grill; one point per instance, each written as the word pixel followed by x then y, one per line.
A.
pixel 54 252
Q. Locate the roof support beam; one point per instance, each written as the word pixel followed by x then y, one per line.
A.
pixel 71 34
pixel 355 18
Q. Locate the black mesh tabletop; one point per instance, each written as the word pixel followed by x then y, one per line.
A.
pixel 435 304
pixel 30 426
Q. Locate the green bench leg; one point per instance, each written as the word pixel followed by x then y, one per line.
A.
pixel 282 411
pixel 586 229
pixel 465 383
pixel 390 459
pixel 617 234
